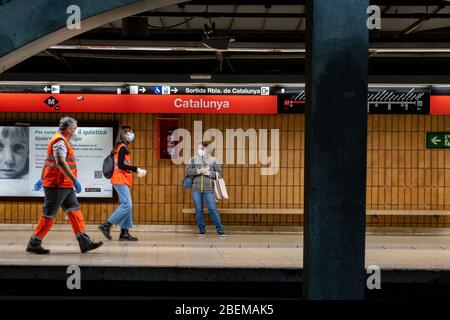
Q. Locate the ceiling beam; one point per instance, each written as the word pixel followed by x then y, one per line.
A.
pixel 416 25
pixel 283 15
pixel 209 14
pixel 302 2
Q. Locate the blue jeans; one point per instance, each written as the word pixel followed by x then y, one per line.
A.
pixel 123 215
pixel 208 198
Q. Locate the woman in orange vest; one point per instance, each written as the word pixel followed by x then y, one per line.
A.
pixel 122 180
pixel 59 179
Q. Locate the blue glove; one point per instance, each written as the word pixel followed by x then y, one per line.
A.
pixel 38 185
pixel 77 186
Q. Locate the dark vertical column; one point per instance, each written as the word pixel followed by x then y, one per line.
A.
pixel 335 149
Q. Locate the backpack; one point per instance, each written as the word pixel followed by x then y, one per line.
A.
pixel 108 166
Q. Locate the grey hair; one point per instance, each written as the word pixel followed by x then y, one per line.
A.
pixel 66 122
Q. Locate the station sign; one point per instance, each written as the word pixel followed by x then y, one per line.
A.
pixel 380 100
pixel 140 89
pixel 291 100
pixel 211 90
pixel 138 103
pixel 404 100
pixel 65 88
pixel 197 98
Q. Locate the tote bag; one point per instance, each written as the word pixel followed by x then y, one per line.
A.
pixel 220 188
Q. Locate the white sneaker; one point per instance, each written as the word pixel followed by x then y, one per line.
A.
pixel 201 234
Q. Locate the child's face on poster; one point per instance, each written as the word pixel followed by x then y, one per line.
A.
pixel 13 155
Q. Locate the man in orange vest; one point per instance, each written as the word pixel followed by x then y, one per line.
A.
pixel 59 178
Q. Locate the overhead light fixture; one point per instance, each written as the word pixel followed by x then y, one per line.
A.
pixel 200 76
pixel 218 42
pixel 406 50
pixel 226 43
pixel 210 46
pixel 213 40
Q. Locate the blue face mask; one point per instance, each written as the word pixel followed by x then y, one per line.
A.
pixel 130 136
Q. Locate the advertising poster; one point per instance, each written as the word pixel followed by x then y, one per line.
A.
pixel 23 150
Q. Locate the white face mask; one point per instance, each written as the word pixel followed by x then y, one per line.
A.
pixel 201 152
pixel 75 133
pixel 130 136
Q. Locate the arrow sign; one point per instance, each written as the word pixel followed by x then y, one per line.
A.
pixel 174 90
pixel 47 89
pixel 435 140
pixel 438 140
pixel 55 88
pixel 142 90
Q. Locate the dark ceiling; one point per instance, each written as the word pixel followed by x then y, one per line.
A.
pixel 268 38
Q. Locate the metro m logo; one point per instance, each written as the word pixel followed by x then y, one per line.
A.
pixel 52 103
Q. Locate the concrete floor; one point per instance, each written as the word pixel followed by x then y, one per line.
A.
pixel 248 250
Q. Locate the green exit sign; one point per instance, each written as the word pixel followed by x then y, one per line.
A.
pixel 438 140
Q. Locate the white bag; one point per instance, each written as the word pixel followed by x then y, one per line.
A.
pixel 220 188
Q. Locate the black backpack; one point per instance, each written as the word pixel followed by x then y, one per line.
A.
pixel 108 166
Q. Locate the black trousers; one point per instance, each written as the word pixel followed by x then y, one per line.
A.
pixel 56 198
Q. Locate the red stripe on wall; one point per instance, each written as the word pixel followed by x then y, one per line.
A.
pixel 36 102
pixel 439 104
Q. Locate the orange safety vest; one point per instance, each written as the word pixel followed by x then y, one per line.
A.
pixel 121 176
pixel 53 177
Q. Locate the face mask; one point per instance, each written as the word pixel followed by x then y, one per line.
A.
pixel 130 136
pixel 201 152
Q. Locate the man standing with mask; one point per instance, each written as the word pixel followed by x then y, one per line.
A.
pixel 59 179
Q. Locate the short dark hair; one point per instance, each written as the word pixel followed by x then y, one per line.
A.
pixel 66 122
pixel 205 143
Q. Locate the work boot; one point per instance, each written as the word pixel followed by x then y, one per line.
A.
pixel 126 236
pixel 105 228
pixel 34 246
pixel 86 244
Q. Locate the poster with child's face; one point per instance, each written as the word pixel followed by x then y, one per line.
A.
pixel 14 152
pixel 23 151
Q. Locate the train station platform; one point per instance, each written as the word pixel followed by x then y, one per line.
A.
pixel 242 259
pixel 163 249
pixel 257 249
pixel 239 249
